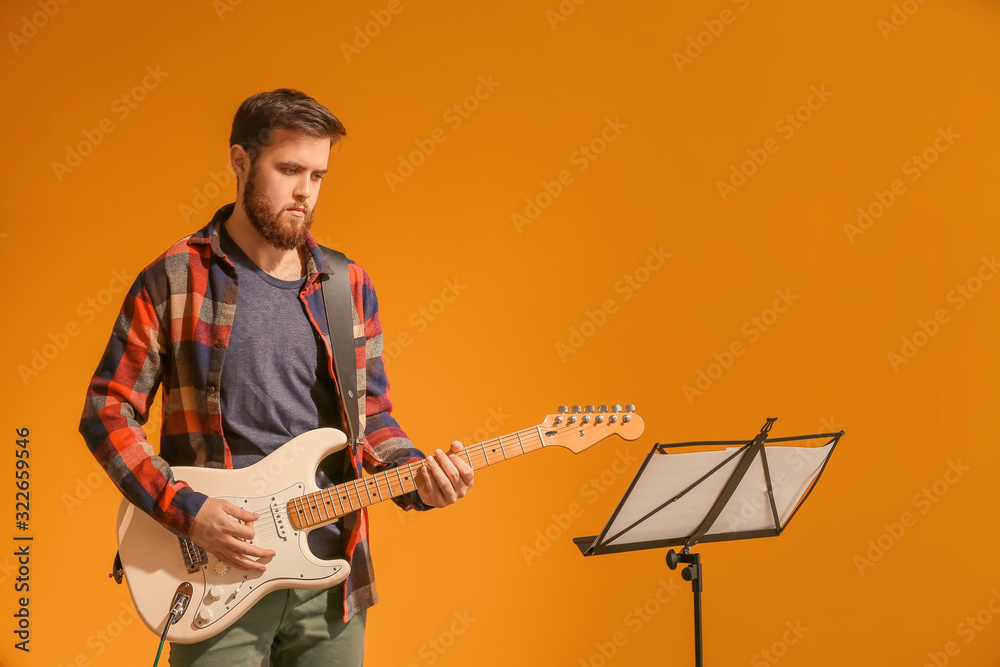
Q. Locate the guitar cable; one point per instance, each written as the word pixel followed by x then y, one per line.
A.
pixel 181 599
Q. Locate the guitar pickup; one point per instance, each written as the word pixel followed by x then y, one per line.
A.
pixel 280 523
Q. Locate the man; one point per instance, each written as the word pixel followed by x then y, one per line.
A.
pixel 230 321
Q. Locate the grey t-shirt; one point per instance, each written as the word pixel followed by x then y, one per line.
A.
pixel 274 380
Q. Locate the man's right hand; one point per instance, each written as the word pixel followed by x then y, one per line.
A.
pixel 219 531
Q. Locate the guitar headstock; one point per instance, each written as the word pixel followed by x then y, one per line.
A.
pixel 578 428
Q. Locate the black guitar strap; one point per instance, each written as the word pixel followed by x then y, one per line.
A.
pixel 338 302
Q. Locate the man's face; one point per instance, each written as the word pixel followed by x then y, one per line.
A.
pixel 282 187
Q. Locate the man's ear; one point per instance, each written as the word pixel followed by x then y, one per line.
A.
pixel 240 162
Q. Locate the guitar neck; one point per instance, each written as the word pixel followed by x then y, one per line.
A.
pixel 327 505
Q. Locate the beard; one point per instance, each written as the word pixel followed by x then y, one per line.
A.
pixel 272 222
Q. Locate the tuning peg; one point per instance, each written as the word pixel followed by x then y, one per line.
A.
pixel 589 408
pixel 626 418
pixel 602 408
pixel 616 407
pixel 629 408
pixel 576 409
pixel 563 409
pixel 612 419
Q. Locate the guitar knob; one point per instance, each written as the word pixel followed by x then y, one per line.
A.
pixel 215 592
pixel 205 615
pixel 576 409
pixel 563 409
pixel 616 407
pixel 589 408
pixel 602 408
pixel 629 408
pixel 221 568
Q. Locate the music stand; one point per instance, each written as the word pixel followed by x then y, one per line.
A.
pixel 745 491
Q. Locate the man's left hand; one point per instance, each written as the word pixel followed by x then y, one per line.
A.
pixel 446 477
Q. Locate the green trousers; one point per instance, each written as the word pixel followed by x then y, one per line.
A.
pixel 287 628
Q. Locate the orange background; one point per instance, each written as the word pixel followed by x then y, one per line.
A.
pixel 887 95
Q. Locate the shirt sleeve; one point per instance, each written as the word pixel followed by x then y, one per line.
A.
pixel 385 444
pixel 117 406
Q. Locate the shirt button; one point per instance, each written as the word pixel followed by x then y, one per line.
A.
pixel 211 389
pixel 229 301
pixel 218 343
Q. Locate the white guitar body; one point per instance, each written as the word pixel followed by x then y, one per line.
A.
pixel 281 488
pixel 153 558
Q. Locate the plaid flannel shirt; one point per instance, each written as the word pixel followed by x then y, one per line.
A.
pixel 173 330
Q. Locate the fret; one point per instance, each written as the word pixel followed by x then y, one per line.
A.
pixel 323 503
pixel 312 517
pixel 502 451
pixel 335 493
pixel 298 510
pixel 347 494
pixel 483 446
pixel 469 457
pixel 519 442
pixel 328 500
pixel 538 429
pixel 389 484
pixel 400 478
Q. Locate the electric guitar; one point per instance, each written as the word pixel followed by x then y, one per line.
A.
pixel 281 488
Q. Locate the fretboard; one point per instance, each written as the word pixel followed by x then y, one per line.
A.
pixel 327 505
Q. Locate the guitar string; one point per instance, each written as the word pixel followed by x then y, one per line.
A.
pixel 477 454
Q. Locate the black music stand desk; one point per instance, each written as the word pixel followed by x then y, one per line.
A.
pixel 740 490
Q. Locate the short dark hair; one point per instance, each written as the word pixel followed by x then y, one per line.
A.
pixel 283 109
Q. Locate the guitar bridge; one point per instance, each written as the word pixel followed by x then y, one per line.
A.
pixel 194 556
